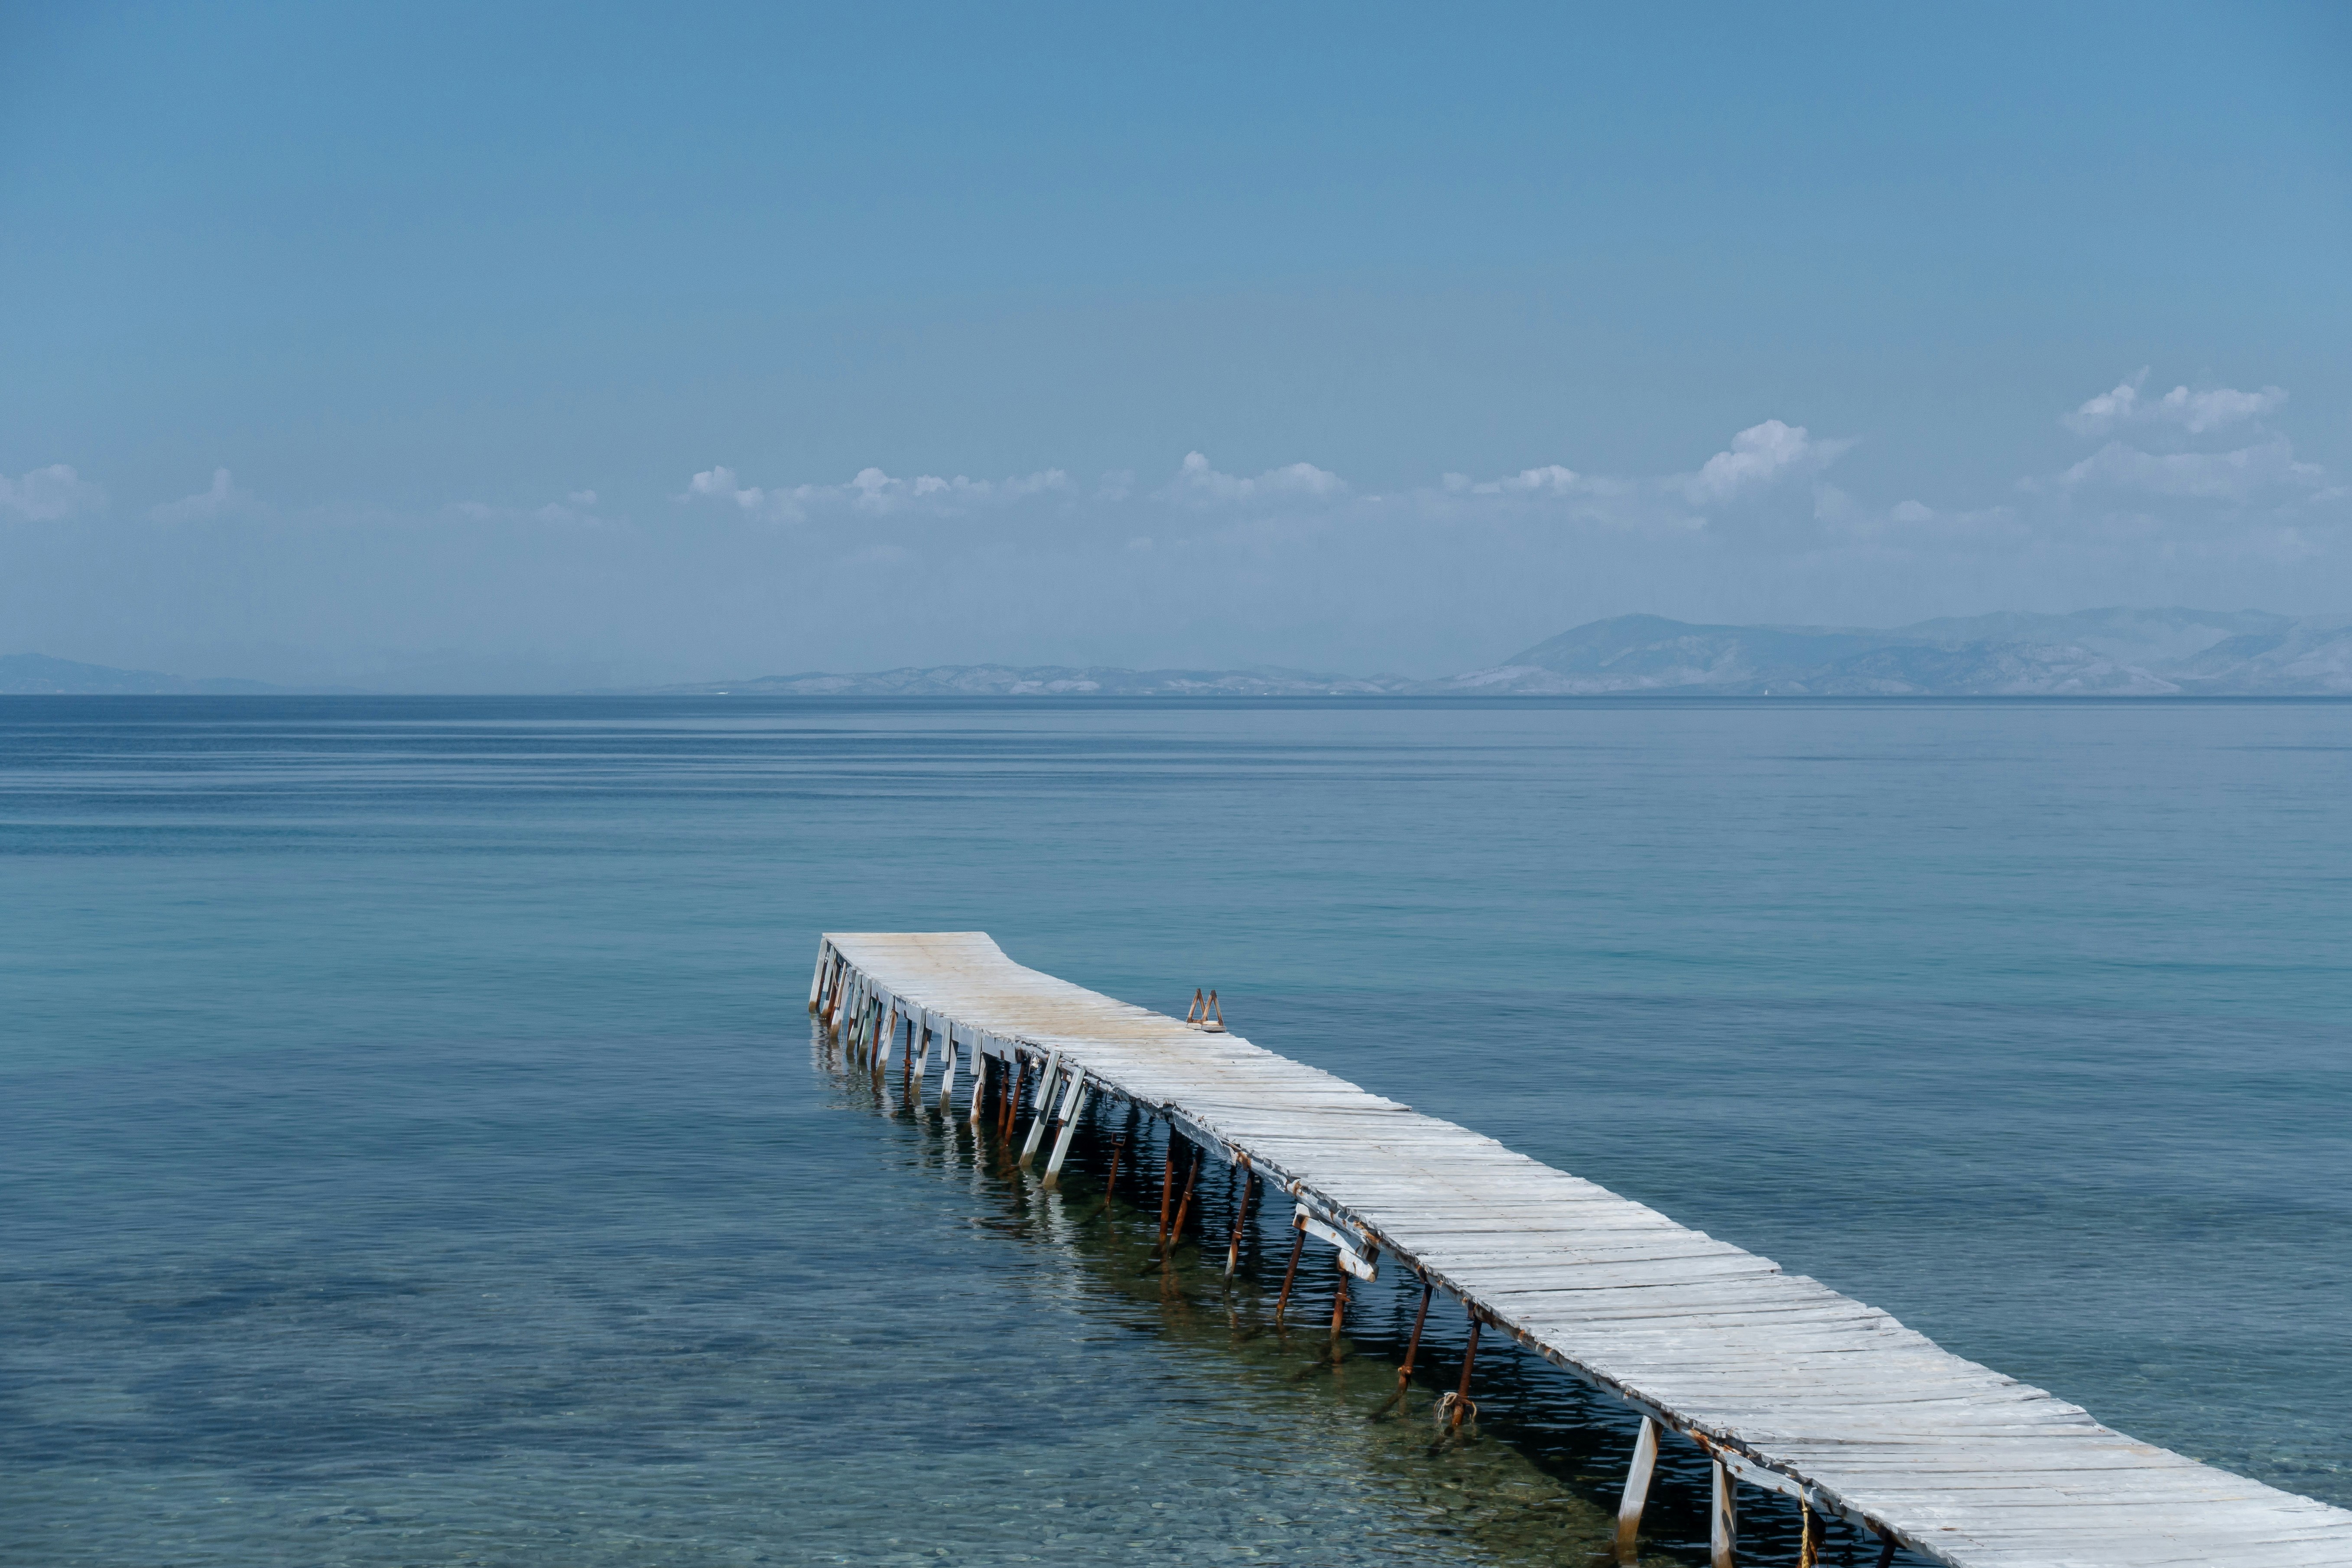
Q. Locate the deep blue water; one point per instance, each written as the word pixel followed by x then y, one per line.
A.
pixel 414 1148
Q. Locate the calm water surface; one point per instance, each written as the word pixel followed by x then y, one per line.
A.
pixel 414 1149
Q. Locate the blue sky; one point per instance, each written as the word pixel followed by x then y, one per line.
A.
pixel 550 346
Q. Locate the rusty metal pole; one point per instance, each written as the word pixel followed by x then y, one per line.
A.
pixel 1338 1302
pixel 1887 1552
pixel 1240 1216
pixel 1010 1109
pixel 1110 1182
pixel 1183 1208
pixel 1469 1360
pixel 1167 1191
pixel 1298 1244
pixel 1413 1346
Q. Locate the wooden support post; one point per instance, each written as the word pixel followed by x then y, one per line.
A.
pixel 918 1061
pixel 947 1069
pixel 1469 1360
pixel 1045 1110
pixel 1240 1216
pixel 1723 1521
pixel 816 980
pixel 1637 1492
pixel 889 1038
pixel 1071 1106
pixel 1298 1244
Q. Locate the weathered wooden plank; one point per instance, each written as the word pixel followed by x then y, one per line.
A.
pixel 1793 1385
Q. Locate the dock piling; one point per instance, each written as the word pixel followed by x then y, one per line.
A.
pixel 1298 1244
pixel 1458 1405
pixel 1045 1110
pixel 1072 1104
pixel 1723 1521
pixel 1637 1492
pixel 1786 1384
pixel 1241 1217
pixel 1412 1349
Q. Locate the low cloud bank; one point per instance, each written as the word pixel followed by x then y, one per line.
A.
pixel 2191 494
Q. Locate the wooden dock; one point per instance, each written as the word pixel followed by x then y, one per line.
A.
pixel 1783 1383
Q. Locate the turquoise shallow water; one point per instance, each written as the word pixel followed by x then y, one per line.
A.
pixel 415 1150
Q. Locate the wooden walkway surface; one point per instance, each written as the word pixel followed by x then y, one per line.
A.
pixel 1790 1385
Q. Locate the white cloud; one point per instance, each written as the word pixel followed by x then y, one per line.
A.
pixel 719 484
pixel 577 509
pixel 205 503
pixel 1549 480
pixel 874 491
pixel 2108 409
pixel 2240 475
pixel 1914 523
pixel 1197 481
pixel 2198 411
pixel 2195 412
pixel 46 495
pixel 1760 456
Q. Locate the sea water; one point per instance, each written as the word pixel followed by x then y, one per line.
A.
pixel 416 1148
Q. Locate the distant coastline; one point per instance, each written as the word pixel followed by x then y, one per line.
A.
pixel 2117 652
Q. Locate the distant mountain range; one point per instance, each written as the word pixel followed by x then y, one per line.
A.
pixel 1054 680
pixel 2090 652
pixel 34 674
